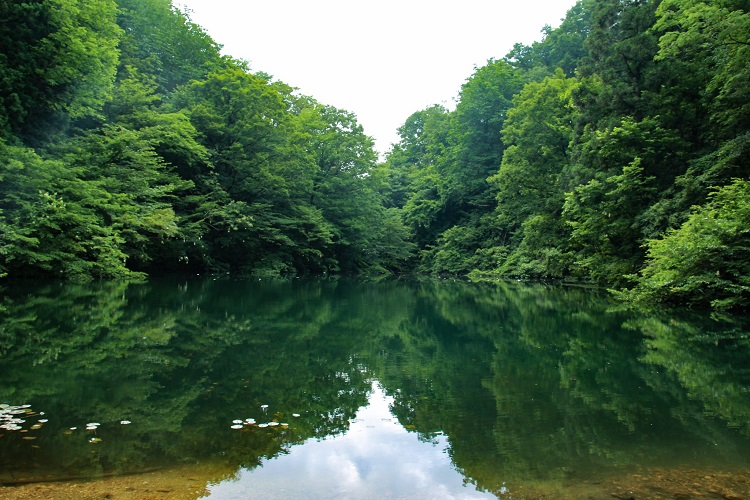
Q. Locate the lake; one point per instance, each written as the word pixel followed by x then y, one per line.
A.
pixel 309 388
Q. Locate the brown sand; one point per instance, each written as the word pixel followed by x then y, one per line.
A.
pixel 190 482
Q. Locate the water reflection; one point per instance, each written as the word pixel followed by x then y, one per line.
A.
pixel 375 457
pixel 498 387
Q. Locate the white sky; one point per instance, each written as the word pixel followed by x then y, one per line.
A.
pixel 381 60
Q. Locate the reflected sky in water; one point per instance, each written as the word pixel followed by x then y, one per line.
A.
pixel 376 457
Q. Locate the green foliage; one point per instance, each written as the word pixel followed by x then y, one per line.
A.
pixel 707 259
pixel 52 221
pixel 606 236
pixel 343 188
pixel 140 188
pixel 163 42
pixel 58 62
pixel 622 49
pixel 563 47
pixel 412 178
pixel 485 102
pixel 613 126
pixel 83 52
pixel 715 35
pixel 451 199
pixel 569 158
pixel 422 140
pixel 538 132
pixel 178 159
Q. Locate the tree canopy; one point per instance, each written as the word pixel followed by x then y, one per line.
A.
pixel 613 151
pixel 130 145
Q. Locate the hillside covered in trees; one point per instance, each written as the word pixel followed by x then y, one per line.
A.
pixel 614 151
pixel 130 145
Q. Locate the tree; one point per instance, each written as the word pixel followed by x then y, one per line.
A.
pixel 473 152
pixel 706 261
pixel 140 188
pixel 365 236
pixel 708 40
pixel 563 47
pixel 529 183
pixel 485 100
pixel 53 222
pixel 714 35
pixel 163 42
pixel 58 61
pixel 605 232
pixel 243 123
pixel 622 50
pixel 422 139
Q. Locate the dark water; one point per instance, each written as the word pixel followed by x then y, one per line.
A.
pixel 444 388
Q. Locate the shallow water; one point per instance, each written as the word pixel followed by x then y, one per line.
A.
pixel 356 390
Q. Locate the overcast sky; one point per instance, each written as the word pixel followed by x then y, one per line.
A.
pixel 382 60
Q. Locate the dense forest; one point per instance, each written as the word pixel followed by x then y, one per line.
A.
pixel 131 146
pixel 614 151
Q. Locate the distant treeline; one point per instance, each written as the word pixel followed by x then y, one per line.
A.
pixel 613 151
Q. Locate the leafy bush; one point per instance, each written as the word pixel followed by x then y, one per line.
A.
pixel 707 260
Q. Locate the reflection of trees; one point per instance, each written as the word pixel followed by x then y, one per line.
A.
pixel 709 359
pixel 527 382
pixel 543 383
pixel 434 366
pixel 570 392
pixel 181 361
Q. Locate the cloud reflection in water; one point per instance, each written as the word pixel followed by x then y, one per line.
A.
pixel 376 458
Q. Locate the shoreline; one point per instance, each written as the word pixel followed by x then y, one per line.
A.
pixel 193 481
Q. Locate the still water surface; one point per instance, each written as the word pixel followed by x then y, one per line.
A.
pixel 339 389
